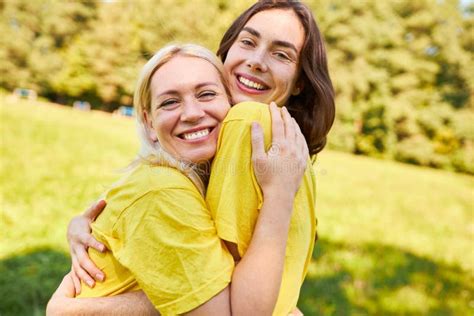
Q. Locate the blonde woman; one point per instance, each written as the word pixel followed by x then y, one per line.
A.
pixel 161 236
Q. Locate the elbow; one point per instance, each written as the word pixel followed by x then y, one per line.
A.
pixel 58 307
pixel 52 309
pixel 253 306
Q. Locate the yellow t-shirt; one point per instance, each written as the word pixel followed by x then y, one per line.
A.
pixel 162 239
pixel 234 198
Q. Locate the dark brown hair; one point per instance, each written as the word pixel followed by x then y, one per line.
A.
pixel 313 109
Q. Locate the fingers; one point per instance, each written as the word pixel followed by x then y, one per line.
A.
pixel 95 209
pixel 86 264
pixel 300 139
pixel 297 130
pixel 298 133
pixel 82 274
pixel 302 146
pixel 76 281
pixel 258 146
pixel 278 129
pixel 79 234
pixel 77 226
pixel 87 240
pixel 290 132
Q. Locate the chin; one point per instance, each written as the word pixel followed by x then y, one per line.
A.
pixel 244 98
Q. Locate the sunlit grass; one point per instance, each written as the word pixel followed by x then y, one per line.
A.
pixel 394 238
pixel 55 161
pixel 428 212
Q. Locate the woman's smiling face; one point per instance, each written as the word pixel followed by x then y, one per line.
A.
pixel 188 104
pixel 263 62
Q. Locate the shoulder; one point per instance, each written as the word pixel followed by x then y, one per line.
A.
pixel 144 189
pixel 248 111
pixel 147 177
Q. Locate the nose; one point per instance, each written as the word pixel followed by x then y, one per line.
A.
pixel 256 62
pixel 192 111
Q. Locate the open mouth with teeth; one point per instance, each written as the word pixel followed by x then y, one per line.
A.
pixel 196 134
pixel 249 84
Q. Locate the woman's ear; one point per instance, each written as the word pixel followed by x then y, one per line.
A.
pixel 297 88
pixel 149 127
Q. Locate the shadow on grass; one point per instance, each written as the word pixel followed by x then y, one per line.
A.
pixel 28 281
pixel 374 279
pixel 343 280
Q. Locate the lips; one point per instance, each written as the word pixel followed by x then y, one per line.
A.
pixel 196 134
pixel 251 84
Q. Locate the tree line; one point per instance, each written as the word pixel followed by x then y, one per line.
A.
pixel 402 70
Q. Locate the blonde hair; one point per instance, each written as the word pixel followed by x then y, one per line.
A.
pixel 150 150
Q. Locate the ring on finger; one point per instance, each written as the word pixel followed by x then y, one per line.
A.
pixel 274 150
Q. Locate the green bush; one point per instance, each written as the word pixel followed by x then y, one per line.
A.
pixel 463 160
pixel 342 137
pixel 419 150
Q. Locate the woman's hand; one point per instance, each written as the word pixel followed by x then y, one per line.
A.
pixel 63 294
pixel 280 170
pixel 80 239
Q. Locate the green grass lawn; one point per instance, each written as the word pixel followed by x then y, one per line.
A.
pixel 393 238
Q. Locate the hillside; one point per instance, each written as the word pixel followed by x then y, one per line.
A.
pixel 393 238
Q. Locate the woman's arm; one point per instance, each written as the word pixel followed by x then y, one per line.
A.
pixel 63 303
pixel 257 278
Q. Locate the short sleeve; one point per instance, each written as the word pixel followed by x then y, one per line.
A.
pixel 171 246
pixel 233 195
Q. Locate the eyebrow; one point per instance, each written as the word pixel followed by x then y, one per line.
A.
pixel 198 86
pixel 255 33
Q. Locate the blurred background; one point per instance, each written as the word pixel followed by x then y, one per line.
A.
pixel 395 183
